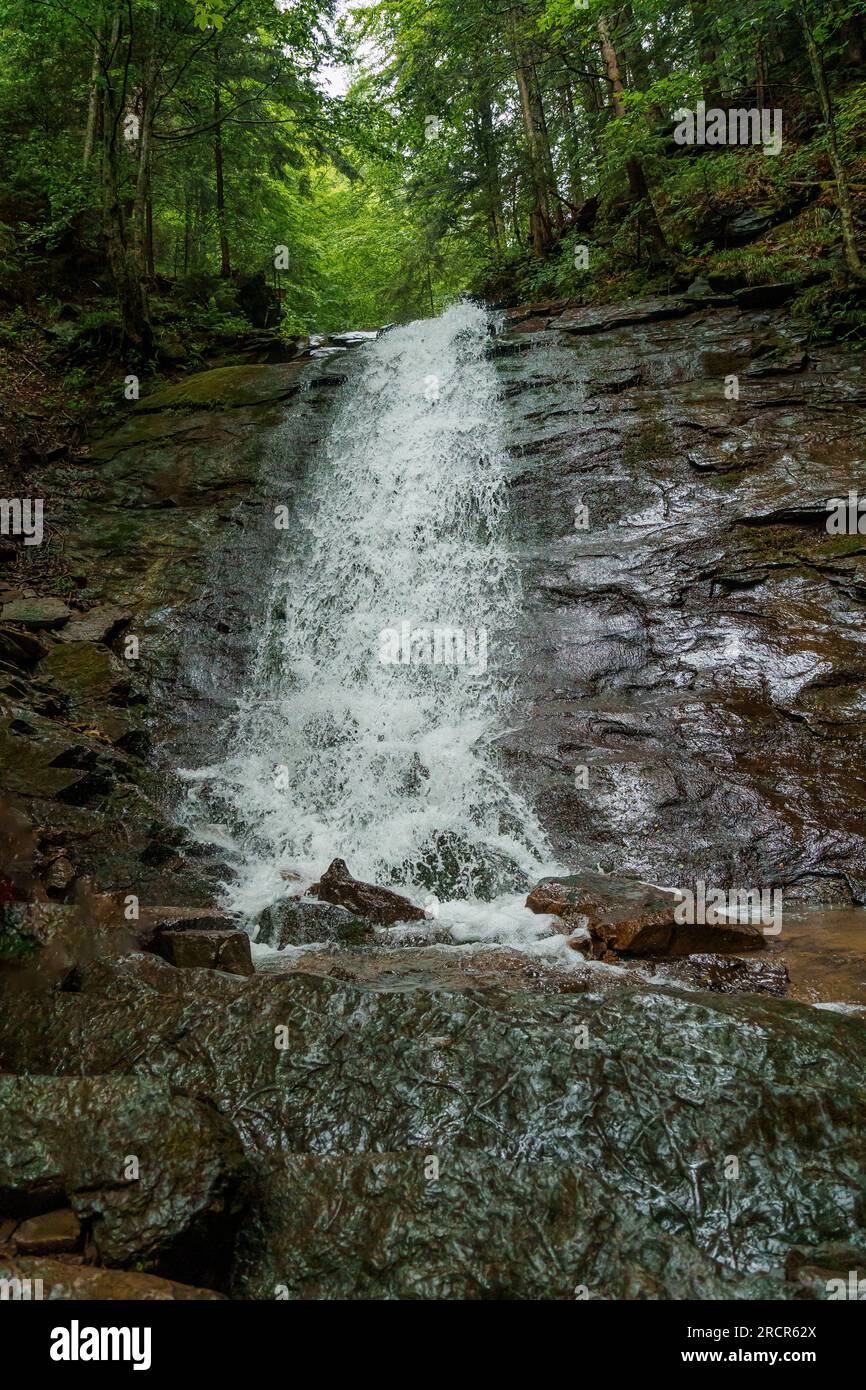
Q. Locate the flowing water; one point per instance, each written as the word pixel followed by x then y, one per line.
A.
pixel 383 674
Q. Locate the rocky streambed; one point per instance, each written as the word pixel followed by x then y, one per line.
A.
pixel 372 1107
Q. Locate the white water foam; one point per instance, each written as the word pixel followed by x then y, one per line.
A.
pixel 333 752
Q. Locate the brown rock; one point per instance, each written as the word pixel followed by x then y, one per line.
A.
pixel 212 950
pixel 657 934
pixel 628 917
pixel 60 1280
pixel 52 1233
pixel 59 875
pixel 97 625
pixel 600 897
pixel 153 920
pixel 366 899
pixel 533 325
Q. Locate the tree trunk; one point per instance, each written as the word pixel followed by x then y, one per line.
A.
pixel 122 241
pixel 225 258
pixel 638 62
pixel 489 162
pixel 187 227
pixel 544 134
pixel 637 180
pixel 760 73
pixel 636 58
pixel 125 267
pixel 149 257
pixel 843 197
pixel 541 233
pixel 575 182
pixel 93 102
pixel 707 38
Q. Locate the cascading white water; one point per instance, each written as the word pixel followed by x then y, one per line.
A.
pixel 335 751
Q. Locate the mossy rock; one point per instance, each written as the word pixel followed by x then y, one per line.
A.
pixel 26 927
pixel 86 672
pixel 36 757
pixel 41 612
pixel 226 388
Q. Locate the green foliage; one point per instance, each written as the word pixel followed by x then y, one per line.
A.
pixel 209 13
pixel 471 141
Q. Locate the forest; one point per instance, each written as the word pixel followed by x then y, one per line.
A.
pixel 159 158
pixel 432 664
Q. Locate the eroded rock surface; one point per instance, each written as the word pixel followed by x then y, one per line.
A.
pixel 706 673
pixel 388 1118
pixel 153 1176
pixel 578 1138
pixel 163 527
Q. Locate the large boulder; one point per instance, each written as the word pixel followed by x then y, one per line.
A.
pixel 627 917
pixel 380 905
pixel 293 922
pixel 225 388
pixel 153 1176
pixel 610 1117
pixel 213 950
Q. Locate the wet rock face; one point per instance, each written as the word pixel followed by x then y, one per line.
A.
pixel 483 1143
pixel 294 923
pixel 376 904
pixel 729 974
pixel 165 529
pixel 153 1177
pixel 387 1119
pixel 211 950
pixel 691 682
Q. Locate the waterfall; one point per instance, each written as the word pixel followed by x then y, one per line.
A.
pixel 382 676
